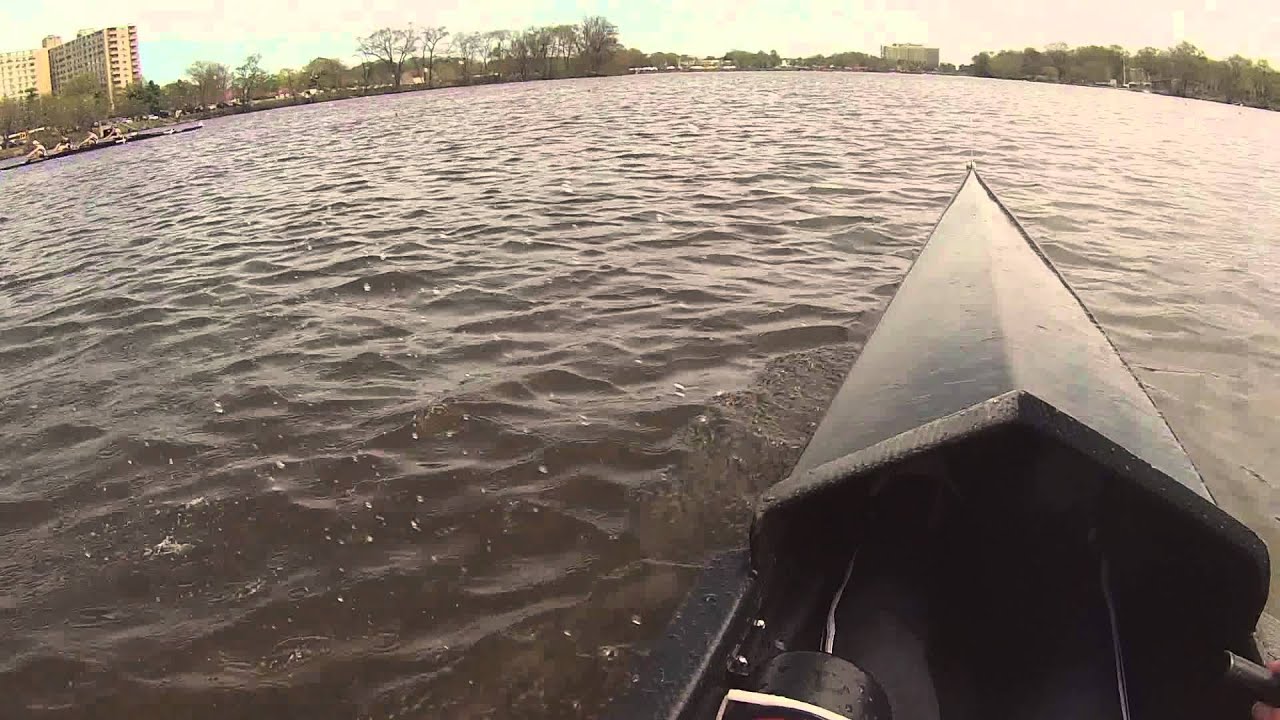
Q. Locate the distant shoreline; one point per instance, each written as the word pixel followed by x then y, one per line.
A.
pixel 355 93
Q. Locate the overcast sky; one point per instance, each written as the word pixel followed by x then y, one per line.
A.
pixel 290 32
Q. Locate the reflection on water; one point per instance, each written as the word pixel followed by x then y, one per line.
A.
pixel 437 401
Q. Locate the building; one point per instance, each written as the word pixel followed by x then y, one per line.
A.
pixel 910 54
pixel 110 55
pixel 23 72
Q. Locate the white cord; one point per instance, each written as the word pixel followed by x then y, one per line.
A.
pixel 829 638
pixel 1121 685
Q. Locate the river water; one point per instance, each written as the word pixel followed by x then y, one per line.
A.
pixel 430 405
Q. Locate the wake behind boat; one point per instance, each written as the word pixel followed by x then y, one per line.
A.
pixel 993 520
pixel 129 138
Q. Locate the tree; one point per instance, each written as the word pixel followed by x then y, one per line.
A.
pixel 1186 65
pixel 323 74
pixel 286 81
pixel 180 95
pixel 564 45
pixel 540 41
pixel 145 98
pixel 11 116
pixel 664 60
pixel 1007 64
pixel 1152 62
pixel 431 37
pixel 982 64
pixel 211 81
pixel 495 48
pixel 390 47
pixel 468 46
pixel 249 78
pixel 80 102
pixel 522 48
pixel 599 40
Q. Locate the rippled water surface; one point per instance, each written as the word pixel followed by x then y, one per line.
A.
pixel 387 407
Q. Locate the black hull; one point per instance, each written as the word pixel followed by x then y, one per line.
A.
pixel 129 139
pixel 992 461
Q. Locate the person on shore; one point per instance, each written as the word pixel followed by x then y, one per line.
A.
pixel 37 151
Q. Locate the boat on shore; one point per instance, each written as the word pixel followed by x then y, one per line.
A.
pixel 992 520
pixel 133 137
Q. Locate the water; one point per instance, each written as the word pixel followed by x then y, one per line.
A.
pixel 431 405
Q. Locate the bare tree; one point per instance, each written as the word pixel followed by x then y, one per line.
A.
pixel 522 53
pixel 391 47
pixel 540 40
pixel 468 46
pixel 599 41
pixel 564 43
pixel 495 49
pixel 431 37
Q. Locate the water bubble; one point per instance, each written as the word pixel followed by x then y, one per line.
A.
pixel 368 505
pixel 368 538
pixel 340 599
pixel 280 464
pixel 543 469
pixel 419 498
pixel 414 524
pixel 635 619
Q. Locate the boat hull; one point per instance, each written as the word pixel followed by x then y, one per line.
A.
pixel 992 485
pixel 132 138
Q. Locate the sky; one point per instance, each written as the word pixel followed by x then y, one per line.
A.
pixel 288 33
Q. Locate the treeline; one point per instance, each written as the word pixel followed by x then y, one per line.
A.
pixel 851 60
pixel 393 58
pixel 1183 70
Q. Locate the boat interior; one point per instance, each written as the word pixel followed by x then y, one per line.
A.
pixel 999 575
